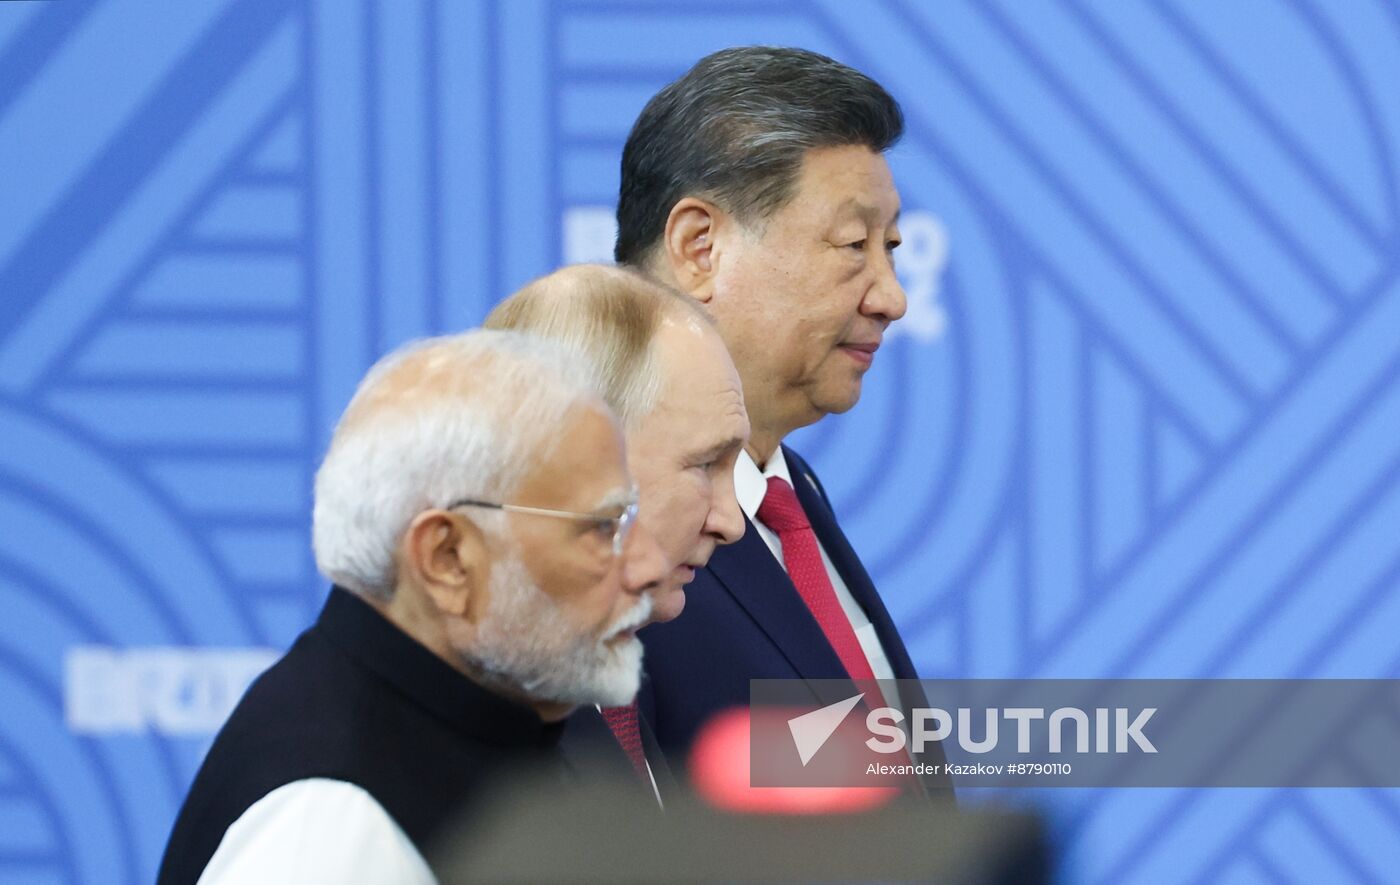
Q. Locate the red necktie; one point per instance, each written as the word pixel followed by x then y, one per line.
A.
pixel 782 513
pixel 623 722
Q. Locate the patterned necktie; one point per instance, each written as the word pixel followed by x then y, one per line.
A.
pixel 624 725
pixel 782 513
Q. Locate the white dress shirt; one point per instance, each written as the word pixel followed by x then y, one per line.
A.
pixel 750 486
pixel 316 831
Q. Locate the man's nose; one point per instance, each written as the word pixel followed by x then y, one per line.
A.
pixel 886 297
pixel 643 563
pixel 725 520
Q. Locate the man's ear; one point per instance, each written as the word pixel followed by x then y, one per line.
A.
pixel 447 555
pixel 689 242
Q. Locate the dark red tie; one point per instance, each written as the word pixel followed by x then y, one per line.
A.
pixel 623 722
pixel 783 513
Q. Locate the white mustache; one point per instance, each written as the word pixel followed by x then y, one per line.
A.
pixel 631 619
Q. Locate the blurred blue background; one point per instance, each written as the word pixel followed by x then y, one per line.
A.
pixel 1143 418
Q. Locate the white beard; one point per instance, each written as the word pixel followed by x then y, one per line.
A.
pixel 527 644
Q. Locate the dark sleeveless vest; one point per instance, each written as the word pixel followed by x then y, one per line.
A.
pixel 356 699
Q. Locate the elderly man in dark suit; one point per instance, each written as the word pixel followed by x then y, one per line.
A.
pixel 662 366
pixel 757 184
pixel 476 513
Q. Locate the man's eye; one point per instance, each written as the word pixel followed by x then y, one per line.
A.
pixel 605 528
pixel 858 245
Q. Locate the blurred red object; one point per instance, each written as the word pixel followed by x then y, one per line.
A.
pixel 719 771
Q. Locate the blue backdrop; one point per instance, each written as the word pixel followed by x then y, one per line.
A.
pixel 1143 418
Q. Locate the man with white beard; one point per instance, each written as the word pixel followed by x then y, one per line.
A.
pixel 477 517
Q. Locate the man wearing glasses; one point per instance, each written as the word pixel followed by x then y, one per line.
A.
pixel 476 514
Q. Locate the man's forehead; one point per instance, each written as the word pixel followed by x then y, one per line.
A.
pixel 702 389
pixel 852 179
pixel 688 346
pixel 702 410
pixel 869 209
pixel 722 421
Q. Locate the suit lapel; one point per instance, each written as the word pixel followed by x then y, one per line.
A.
pixel 843 557
pixel 667 787
pixel 594 754
pixel 750 573
pixel 589 746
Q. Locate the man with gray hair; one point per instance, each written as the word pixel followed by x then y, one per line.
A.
pixel 476 513
pixel 757 184
pixel 662 366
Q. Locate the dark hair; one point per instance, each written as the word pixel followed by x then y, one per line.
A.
pixel 735 129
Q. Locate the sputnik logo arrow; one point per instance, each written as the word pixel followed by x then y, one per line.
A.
pixel 811 730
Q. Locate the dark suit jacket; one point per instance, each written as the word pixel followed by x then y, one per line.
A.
pixel 594 755
pixel 744 620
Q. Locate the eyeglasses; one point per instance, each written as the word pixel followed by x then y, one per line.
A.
pixel 620 525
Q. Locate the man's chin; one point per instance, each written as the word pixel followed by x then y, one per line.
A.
pixel 669 607
pixel 621 698
pixel 618 685
pixel 837 398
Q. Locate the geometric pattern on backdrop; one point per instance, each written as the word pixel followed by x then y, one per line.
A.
pixel 1139 422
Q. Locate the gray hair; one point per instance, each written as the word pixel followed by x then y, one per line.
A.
pixel 734 130
pixel 460 416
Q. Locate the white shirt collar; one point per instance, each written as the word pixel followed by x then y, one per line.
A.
pixel 751 484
